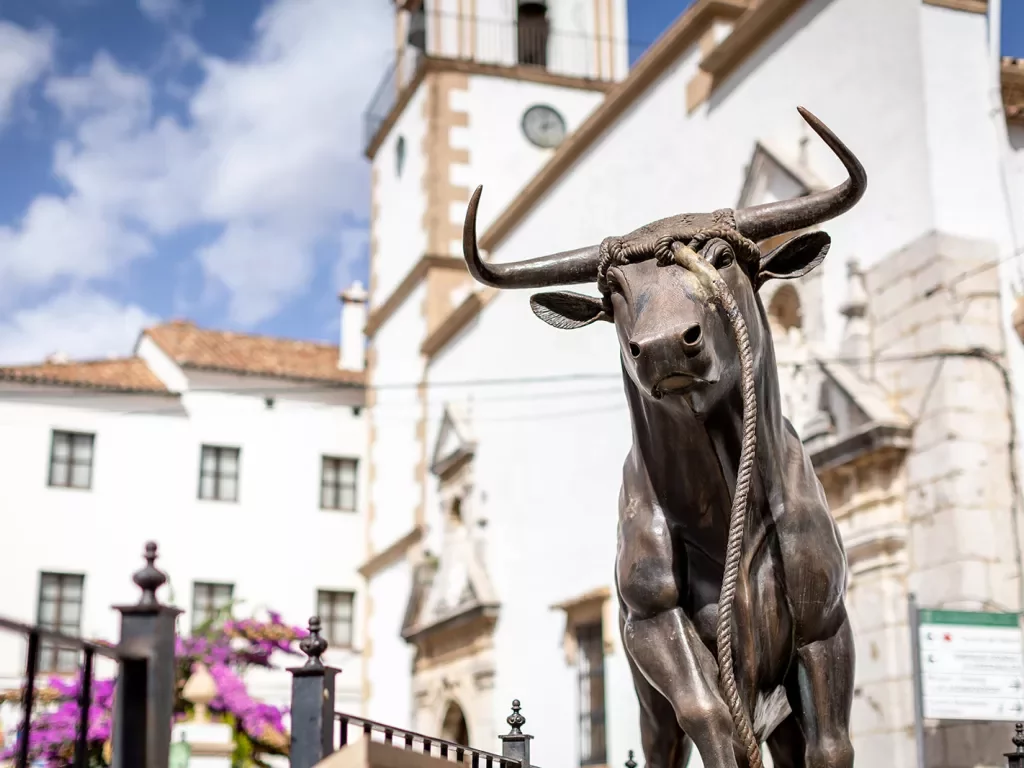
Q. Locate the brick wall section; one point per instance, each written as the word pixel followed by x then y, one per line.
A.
pixel 958 488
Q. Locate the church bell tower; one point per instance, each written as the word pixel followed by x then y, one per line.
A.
pixel 478 92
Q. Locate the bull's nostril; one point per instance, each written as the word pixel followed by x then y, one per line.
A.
pixel 634 349
pixel 691 335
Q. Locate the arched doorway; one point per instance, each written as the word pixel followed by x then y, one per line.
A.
pixel 453 727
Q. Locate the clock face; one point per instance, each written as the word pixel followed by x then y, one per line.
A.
pixel 543 126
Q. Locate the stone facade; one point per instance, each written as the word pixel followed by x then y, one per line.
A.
pixel 912 445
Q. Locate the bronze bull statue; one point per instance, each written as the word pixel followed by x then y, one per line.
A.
pixel 730 572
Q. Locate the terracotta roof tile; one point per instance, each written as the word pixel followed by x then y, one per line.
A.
pixel 119 375
pixel 197 348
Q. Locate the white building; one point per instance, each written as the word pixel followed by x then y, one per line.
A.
pixel 493 488
pixel 241 456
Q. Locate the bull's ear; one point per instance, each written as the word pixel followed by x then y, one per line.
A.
pixel 794 258
pixel 567 310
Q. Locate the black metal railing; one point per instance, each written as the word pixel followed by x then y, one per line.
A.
pixel 498 42
pixel 350 725
pixel 317 731
pixel 144 698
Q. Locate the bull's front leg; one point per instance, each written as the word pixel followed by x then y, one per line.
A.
pixel 662 640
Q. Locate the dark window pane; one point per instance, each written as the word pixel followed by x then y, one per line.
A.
pixel 71 456
pixel 335 612
pixel 59 608
pixel 338 484
pixel 218 473
pixel 590 666
pixel 209 601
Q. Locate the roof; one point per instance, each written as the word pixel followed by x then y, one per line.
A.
pixel 196 348
pixel 129 374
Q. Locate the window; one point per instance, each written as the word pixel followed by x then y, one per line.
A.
pixel 417 37
pixel 335 612
pixel 71 460
pixel 59 609
pixel 590 663
pixel 399 155
pixel 533 34
pixel 209 602
pixel 218 473
pixel 338 484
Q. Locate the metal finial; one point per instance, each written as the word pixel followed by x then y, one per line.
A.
pixel 150 578
pixel 1015 759
pixel 516 721
pixel 631 763
pixel 313 645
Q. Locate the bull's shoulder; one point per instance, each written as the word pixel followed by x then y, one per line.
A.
pixel 800 484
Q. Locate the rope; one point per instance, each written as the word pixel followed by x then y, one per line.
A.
pixel 674 249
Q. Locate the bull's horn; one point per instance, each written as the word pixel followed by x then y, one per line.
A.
pixel 760 222
pixel 566 268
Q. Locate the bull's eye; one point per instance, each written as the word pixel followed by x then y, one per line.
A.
pixel 721 256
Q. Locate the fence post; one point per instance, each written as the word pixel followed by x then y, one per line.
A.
pixel 516 744
pixel 1015 759
pixel 312 709
pixel 144 705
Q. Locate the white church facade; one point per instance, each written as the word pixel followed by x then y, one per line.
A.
pixel 494 485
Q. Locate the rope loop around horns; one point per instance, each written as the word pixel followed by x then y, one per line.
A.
pixel 613 252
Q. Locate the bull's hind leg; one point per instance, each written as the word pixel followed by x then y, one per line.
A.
pixel 820 691
pixel 786 743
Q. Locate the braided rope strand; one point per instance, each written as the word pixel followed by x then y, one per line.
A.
pixel 614 251
pixel 738 515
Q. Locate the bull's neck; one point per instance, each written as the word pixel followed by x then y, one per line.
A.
pixel 668 429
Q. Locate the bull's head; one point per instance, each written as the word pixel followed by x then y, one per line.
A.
pixel 673 336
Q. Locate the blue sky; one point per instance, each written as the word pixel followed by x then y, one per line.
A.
pixel 193 158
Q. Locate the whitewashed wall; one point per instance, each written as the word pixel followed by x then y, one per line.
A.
pixel 500 157
pixel 401 203
pixel 547 472
pixel 396 451
pixel 276 545
pixel 389 668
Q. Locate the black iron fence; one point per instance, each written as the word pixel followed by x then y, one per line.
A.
pixel 144 700
pixel 525 43
pixel 318 731
pixel 145 687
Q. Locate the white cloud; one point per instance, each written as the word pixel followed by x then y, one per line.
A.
pixel 262 267
pixel 81 325
pixel 24 57
pixel 272 153
pixel 160 10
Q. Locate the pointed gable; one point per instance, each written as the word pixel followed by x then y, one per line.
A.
pixel 773 176
pixel 455 584
pixel 855 416
pixel 454 442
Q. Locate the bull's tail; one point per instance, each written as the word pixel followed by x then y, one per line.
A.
pixel 769 712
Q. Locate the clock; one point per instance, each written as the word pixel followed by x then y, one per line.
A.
pixel 543 126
